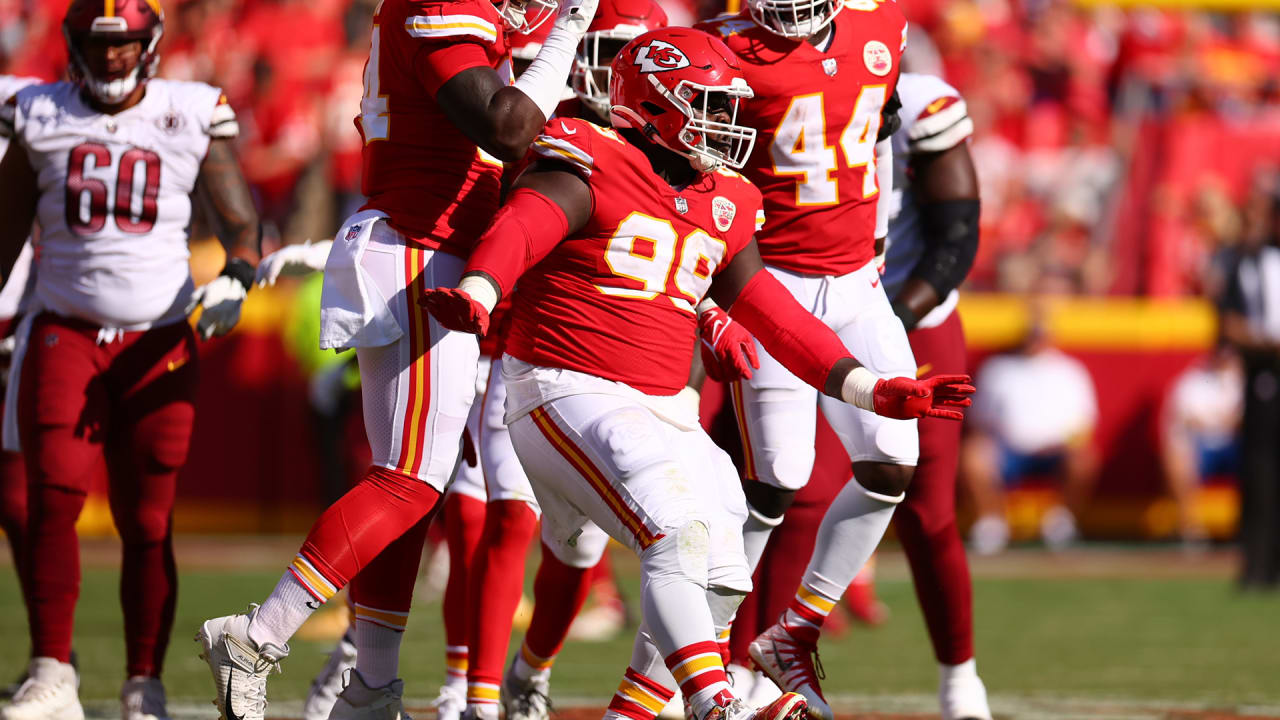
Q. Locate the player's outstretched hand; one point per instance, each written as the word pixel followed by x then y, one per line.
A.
pixel 456 310
pixel 728 350
pixel 221 298
pixel 300 259
pixel 938 396
pixel 576 15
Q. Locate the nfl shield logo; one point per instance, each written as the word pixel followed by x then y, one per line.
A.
pixel 722 211
pixel 682 205
pixel 353 232
pixel 829 66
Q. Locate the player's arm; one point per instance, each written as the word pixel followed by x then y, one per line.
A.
pixel 811 351
pixel 503 119
pixel 19 192
pixel 223 193
pixel 947 187
pixel 548 203
pixel 889 124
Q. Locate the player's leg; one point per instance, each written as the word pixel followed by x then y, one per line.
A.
pixel 63 415
pixel 414 418
pixel 884 454
pixel 926 526
pixel 777 420
pixel 152 381
pixel 497 578
pixel 13 509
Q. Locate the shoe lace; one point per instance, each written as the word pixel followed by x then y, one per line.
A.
pixel 33 690
pixel 255 685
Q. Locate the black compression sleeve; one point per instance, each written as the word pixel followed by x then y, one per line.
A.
pixel 950 230
pixel 889 120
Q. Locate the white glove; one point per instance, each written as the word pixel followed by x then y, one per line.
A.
pixel 221 298
pixel 293 260
pixel 576 15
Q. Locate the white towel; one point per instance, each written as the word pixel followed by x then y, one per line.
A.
pixel 353 311
pixel 10 439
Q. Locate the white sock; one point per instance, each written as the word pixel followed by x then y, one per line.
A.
pixel 377 653
pixel 525 672
pixel 755 535
pixel 966 669
pixel 850 531
pixel 283 612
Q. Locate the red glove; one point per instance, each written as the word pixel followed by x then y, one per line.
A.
pixel 728 350
pixel 456 310
pixel 906 399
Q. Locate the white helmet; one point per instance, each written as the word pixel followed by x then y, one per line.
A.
pixel 795 19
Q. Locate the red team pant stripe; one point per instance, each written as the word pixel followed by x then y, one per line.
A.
pixel 596 479
pixel 740 409
pixel 413 440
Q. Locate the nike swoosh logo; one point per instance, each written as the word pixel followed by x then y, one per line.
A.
pixel 783 665
pixel 566 129
pixel 923 370
pixel 936 105
pixel 715 329
pixel 875 283
pixel 226 701
pixel 312 604
pixel 175 364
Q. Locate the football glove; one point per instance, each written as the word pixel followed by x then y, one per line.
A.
pixel 300 259
pixel 907 399
pixel 455 309
pixel 728 350
pixel 221 298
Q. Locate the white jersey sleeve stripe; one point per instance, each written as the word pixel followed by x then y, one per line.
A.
pixel 223 124
pixel 946 139
pixel 424 26
pixel 557 149
pixel 942 120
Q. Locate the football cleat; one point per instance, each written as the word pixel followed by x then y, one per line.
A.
pixel 358 701
pixel 240 668
pixel 328 684
pixel 450 703
pixel 963 697
pixel 790 706
pixel 526 700
pixel 48 693
pixel 792 665
pixel 480 712
pixel 142 698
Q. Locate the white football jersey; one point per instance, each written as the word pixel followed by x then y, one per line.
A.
pixel 115 197
pixel 15 292
pixel 934 118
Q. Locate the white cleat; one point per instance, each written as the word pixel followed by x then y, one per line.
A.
pixel 961 694
pixel 328 684
pixel 358 701
pixel 480 712
pixel 526 700
pixel 788 706
pixel 48 693
pixel 790 664
pixel 142 698
pixel 240 668
pixel 450 703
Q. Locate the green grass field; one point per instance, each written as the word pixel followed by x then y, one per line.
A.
pixel 1122 629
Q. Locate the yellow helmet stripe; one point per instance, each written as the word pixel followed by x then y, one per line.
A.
pixel 110 9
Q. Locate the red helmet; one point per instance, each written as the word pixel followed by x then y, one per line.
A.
pixel 668 84
pixel 117 21
pixel 526 16
pixel 615 23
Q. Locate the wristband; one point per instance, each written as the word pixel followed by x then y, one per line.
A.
pixel 859 389
pixel 481 290
pixel 239 270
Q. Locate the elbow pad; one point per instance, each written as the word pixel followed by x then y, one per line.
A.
pixel 950 230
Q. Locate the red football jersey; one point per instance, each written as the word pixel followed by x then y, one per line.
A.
pixel 617 298
pixel 817 115
pixel 436 185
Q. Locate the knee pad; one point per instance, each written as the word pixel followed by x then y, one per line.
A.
pixel 724 604
pixel 681 555
pixel 582 550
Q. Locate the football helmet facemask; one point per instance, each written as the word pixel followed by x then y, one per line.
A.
pixel 616 23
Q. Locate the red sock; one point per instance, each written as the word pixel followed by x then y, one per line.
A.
pixel 496 583
pixel 638 698
pixel 559 592
pixel 463 523
pixel 359 526
pixel 698 670
pixel 926 526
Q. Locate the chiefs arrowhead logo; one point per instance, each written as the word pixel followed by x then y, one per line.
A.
pixel 659 56
pixel 722 211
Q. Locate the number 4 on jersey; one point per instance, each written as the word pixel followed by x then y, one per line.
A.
pixel 800 146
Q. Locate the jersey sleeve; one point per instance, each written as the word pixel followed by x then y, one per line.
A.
pixel 446 38
pixel 569 141
pixel 223 123
pixel 934 114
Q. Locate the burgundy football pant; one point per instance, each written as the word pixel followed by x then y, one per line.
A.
pixel 126 406
pixel 925 523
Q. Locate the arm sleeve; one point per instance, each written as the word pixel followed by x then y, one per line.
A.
pixel 801 342
pixel 524 231
pixel 884 179
pixel 950 230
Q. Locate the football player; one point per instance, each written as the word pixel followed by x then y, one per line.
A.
pixel 615 237
pixel 824 72
pixel 110 164
pixel 438 117
pixel 933 239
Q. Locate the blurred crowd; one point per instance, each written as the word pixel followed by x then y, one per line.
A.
pixel 1117 148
